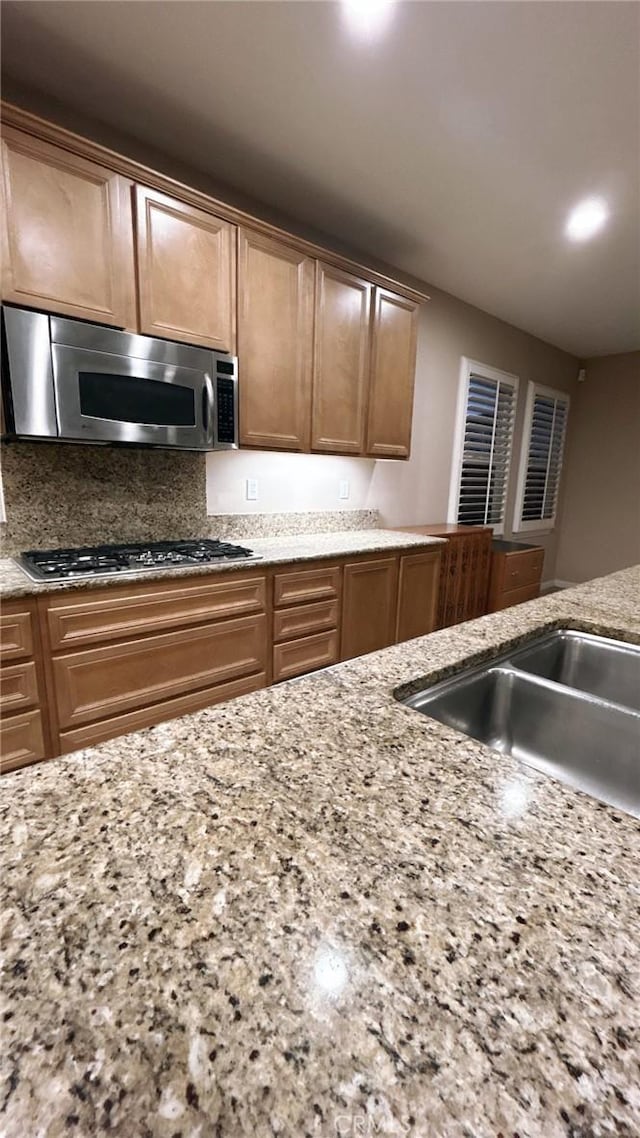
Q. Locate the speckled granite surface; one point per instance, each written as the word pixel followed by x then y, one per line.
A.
pixel 271 551
pixel 315 912
pixel 64 495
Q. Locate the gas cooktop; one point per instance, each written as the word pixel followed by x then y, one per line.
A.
pixel 136 557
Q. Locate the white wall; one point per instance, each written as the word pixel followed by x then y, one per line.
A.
pixel 600 523
pixel 417 491
pixel 287 483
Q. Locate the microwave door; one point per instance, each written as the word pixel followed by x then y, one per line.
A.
pixel 121 399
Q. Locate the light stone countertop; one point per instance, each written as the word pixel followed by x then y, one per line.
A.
pixel 270 550
pixel 314 912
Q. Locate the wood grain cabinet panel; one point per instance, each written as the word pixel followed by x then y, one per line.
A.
pixel 91 733
pixel 186 272
pixel 67 233
pixel 417 594
pixel 16 633
pixel 464 570
pixel 21 740
pixel 515 597
pixel 275 342
pixel 111 614
pixel 102 682
pixel 297 586
pixel 307 654
pixel 393 366
pixel 516 573
pixel 288 624
pixel 369 606
pixel 341 361
pixel 18 687
pixel 522 569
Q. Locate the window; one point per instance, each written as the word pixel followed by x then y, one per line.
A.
pixel 482 452
pixel 545 426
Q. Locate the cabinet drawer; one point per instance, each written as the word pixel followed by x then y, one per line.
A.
pixel 18 687
pixel 305 655
pixel 21 740
pixel 114 614
pixel 91 733
pixel 102 682
pixel 522 569
pixel 516 597
pixel 16 634
pixel 300 621
pixel 300 585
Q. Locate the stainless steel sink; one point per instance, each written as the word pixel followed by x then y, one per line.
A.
pixel 606 668
pixel 566 704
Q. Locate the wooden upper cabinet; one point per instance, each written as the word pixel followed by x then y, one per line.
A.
pixel 186 272
pixel 341 361
pixel 67 233
pixel 393 368
pixel 275 342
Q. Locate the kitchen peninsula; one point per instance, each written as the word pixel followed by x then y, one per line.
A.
pixel 312 911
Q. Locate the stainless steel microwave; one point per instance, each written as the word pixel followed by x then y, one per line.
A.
pixel 70 381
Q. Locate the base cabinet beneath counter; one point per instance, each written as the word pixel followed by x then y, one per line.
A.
pixel 24 727
pixel 82 666
pixel 516 574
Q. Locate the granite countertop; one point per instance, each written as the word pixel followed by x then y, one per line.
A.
pixel 314 912
pixel 271 551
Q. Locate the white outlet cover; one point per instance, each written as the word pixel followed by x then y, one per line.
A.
pixel 251 490
pixel 343 491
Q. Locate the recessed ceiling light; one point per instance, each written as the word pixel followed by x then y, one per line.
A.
pixel 367 18
pixel 586 219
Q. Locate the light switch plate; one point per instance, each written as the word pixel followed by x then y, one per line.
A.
pixel 251 490
pixel 343 491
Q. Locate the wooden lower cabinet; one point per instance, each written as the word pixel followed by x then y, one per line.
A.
pixel 90 734
pixel 104 681
pixel 22 740
pixel 296 657
pixel 417 594
pixel 465 566
pixel 85 665
pixel 369 606
pixel 516 573
pixel 24 730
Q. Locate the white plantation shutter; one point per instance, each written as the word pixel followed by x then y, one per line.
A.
pixel 539 483
pixel 486 448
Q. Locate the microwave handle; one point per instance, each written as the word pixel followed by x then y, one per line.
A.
pixel 208 408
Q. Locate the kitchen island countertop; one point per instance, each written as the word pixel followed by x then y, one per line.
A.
pixel 313 911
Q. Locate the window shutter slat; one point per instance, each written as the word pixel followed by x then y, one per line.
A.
pixel 486 451
pixel 545 450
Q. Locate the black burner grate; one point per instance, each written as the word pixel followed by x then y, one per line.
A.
pixel 96 560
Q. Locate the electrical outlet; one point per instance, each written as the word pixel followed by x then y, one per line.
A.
pixel 343 491
pixel 251 491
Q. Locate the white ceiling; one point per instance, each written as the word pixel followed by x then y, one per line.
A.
pixel 453 146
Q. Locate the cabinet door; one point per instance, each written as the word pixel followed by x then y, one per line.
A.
pixel 393 366
pixel 115 678
pixel 369 606
pixel 417 594
pixel 341 361
pixel 186 272
pixel 67 233
pixel 275 341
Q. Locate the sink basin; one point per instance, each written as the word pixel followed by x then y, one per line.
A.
pixel 606 668
pixel 566 704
